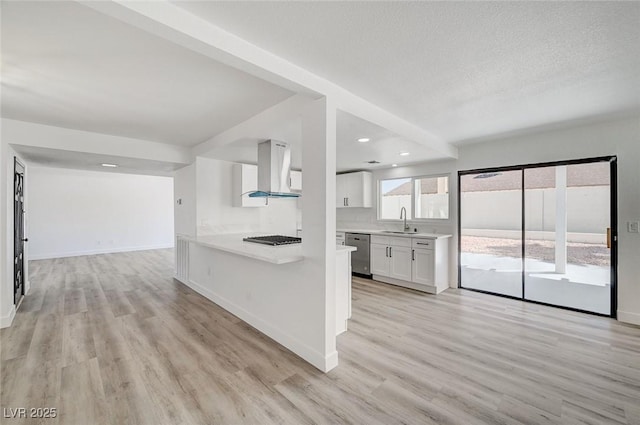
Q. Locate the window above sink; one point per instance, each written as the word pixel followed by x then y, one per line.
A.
pixel 424 197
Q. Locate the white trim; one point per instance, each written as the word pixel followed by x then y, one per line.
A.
pixel 5 321
pixel 99 251
pixel 27 287
pixel 628 317
pixel 317 359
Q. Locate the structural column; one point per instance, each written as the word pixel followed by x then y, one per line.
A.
pixel 561 219
pixel 319 212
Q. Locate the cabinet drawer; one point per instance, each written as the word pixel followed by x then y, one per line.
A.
pixel 423 243
pixel 380 240
pixel 400 242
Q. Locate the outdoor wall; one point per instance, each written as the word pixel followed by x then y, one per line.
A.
pixel 78 212
pixel 587 209
pixel 620 136
pixel 434 203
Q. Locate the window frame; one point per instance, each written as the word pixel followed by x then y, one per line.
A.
pixel 413 180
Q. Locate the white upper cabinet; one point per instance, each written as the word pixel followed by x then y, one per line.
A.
pixel 296 181
pixel 245 180
pixel 353 190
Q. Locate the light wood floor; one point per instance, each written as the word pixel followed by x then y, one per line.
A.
pixel 113 339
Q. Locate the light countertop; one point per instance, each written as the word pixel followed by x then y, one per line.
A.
pixel 398 235
pixel 234 244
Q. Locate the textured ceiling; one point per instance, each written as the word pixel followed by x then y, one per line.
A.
pixel 462 70
pixel 66 65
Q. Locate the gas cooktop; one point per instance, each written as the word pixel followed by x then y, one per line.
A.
pixel 273 240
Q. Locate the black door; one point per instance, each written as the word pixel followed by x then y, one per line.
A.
pixel 18 231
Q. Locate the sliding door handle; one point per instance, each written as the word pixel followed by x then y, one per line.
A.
pixel 609 237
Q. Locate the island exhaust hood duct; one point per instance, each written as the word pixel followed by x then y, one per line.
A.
pixel 274 160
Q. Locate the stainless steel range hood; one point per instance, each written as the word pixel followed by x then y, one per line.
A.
pixel 274 161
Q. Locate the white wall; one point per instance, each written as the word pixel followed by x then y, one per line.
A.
pixel 77 212
pixel 292 303
pixel 206 191
pixel 619 137
pixel 184 200
pixel 215 211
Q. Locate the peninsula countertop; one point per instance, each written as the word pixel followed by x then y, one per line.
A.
pixel 234 244
pixel 396 234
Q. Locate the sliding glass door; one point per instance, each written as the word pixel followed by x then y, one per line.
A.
pixel 541 233
pixel 567 217
pixel 491 232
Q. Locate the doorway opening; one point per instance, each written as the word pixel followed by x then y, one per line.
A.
pixel 544 233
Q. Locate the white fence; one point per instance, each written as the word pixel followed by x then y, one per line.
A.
pixel 587 210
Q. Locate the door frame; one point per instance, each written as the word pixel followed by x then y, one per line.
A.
pixel 17 163
pixel 613 213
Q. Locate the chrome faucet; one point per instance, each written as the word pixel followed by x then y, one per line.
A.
pixel 406 227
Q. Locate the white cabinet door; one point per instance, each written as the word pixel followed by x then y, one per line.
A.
pixel 400 264
pixel 245 180
pixel 296 181
pixel 353 190
pixel 379 260
pixel 423 266
pixel 341 186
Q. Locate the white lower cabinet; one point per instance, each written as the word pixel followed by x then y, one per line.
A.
pixel 379 259
pixel 391 257
pixel 417 263
pixel 422 266
pixel 400 264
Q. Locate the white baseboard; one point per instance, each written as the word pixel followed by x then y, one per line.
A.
pixel 324 363
pixel 5 321
pixel 98 251
pixel 628 317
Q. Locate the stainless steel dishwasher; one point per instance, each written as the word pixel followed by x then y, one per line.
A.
pixel 360 258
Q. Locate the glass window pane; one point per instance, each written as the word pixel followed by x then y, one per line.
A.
pixel 567 260
pixel 394 194
pixel 432 197
pixel 491 232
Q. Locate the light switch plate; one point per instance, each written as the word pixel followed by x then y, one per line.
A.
pixel 633 226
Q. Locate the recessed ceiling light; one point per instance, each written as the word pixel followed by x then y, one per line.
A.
pixel 109 165
pixel 363 139
pixel 404 153
pixel 394 165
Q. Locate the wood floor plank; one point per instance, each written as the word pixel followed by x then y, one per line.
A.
pixel 114 339
pixel 82 399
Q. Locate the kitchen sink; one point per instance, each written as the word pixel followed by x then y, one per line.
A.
pixel 399 232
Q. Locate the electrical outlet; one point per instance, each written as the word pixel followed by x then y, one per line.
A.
pixel 633 226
